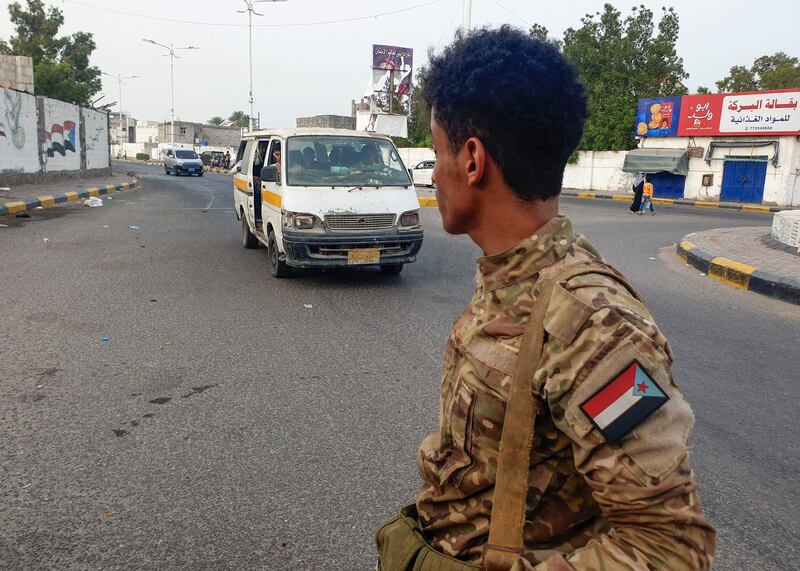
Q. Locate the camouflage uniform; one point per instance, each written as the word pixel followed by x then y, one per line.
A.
pixel 590 504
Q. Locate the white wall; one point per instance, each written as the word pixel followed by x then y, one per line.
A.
pixel 599 171
pixel 62 135
pixel 413 155
pixel 96 134
pixel 19 144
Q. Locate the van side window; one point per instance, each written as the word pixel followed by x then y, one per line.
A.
pixel 259 158
pixel 240 152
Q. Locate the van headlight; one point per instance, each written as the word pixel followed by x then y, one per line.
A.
pixel 410 218
pixel 299 221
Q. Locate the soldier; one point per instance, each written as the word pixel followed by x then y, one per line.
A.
pixel 606 483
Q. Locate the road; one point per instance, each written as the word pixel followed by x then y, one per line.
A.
pixel 223 425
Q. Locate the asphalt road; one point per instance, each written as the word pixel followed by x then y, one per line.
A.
pixel 223 425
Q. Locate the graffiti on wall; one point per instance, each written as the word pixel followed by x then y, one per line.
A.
pixel 13 106
pixel 61 139
pixel 19 144
pixel 96 139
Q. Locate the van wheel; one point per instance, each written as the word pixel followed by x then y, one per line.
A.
pixel 392 269
pixel 166 170
pixel 249 241
pixel 278 268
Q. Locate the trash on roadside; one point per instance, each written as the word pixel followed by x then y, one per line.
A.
pixel 105 225
pixel 93 202
pixel 112 514
pixel 104 339
pixel 111 198
pixel 702 274
pixel 133 227
pixel 26 486
pixel 651 258
pixel 39 207
pixel 45 241
pixel 3 225
pixel 23 215
pixel 308 306
pixel 5 188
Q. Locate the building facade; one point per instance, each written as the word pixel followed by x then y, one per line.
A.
pixel 732 147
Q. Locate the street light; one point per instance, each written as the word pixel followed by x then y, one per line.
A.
pixel 119 79
pixel 250 11
pixel 172 57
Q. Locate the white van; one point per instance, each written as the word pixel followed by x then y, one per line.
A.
pixel 321 198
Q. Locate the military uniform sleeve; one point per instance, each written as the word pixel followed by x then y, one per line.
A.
pixel 635 457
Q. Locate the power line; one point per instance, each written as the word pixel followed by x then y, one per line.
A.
pixel 459 9
pixel 517 16
pixel 219 24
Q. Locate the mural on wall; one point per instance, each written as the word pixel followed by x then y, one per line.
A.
pixel 96 139
pixel 19 151
pixel 60 139
pixel 61 150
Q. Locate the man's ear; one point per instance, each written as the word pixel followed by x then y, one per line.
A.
pixel 476 161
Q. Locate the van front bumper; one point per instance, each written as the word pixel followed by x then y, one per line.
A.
pixel 307 250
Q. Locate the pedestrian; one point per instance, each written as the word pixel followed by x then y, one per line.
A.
pixel 647 198
pixel 227 159
pixel 549 453
pixel 638 186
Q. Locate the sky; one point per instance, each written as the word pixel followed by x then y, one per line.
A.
pixel 302 70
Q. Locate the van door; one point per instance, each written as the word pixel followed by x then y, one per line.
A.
pixel 271 192
pixel 242 183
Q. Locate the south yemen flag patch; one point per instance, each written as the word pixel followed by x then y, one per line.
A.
pixel 624 402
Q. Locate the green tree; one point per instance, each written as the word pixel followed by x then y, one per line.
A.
pixel 778 71
pixel 620 60
pixel 216 120
pixel 240 119
pixel 703 89
pixel 61 67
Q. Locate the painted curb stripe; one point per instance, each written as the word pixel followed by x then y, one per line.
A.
pixel 738 274
pixel 17 206
pixel 679 202
pixel 426 201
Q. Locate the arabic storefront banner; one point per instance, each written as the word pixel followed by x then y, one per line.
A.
pixel 658 117
pixel 751 113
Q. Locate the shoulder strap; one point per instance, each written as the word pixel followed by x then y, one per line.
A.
pixel 505 543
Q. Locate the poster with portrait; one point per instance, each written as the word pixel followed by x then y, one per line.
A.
pixel 658 117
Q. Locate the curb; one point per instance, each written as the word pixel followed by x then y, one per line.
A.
pixel 16 206
pixel 738 274
pixel 681 202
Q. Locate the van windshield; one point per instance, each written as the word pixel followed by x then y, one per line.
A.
pixel 335 160
pixel 186 154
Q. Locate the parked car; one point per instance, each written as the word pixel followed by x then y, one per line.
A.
pixel 182 161
pixel 321 198
pixel 212 158
pixel 423 173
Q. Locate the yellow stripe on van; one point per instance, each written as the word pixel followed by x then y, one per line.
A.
pixel 271 198
pixel 240 184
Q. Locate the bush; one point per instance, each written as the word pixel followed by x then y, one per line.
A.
pixel 142 157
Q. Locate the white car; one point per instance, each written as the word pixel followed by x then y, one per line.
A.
pixel 423 173
pixel 182 161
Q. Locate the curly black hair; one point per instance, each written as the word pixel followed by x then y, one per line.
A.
pixel 519 96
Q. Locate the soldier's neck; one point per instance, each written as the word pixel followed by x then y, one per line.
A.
pixel 505 222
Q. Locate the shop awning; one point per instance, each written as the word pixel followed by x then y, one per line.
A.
pixel 648 161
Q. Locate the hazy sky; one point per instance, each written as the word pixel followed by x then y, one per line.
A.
pixel 318 69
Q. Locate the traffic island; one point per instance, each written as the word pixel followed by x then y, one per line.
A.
pixel 746 258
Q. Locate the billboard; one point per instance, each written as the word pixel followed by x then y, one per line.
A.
pixel 389 89
pixel 719 114
pixel 658 117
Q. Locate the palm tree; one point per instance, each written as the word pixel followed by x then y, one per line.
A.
pixel 216 120
pixel 239 119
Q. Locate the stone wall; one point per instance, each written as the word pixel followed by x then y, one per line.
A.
pixel 16 72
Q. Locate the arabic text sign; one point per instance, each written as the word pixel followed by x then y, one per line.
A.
pixel 658 117
pixel 760 113
pixel 700 115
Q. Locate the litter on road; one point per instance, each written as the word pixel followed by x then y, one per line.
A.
pixel 93 202
pixel 308 306
pixel 45 241
pixel 133 227
pixel 104 339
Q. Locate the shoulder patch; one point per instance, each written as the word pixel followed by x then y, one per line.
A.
pixel 624 403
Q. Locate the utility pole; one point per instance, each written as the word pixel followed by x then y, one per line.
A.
pixel 119 79
pixel 468 16
pixel 171 49
pixel 250 11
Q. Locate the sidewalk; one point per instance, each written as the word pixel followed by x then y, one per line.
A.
pixel 18 199
pixel 746 258
pixel 427 197
pixel 161 163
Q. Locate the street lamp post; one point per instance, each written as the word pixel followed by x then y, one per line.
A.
pixel 119 79
pixel 171 49
pixel 468 14
pixel 250 11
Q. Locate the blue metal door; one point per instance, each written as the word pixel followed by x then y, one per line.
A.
pixel 667 185
pixel 743 181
